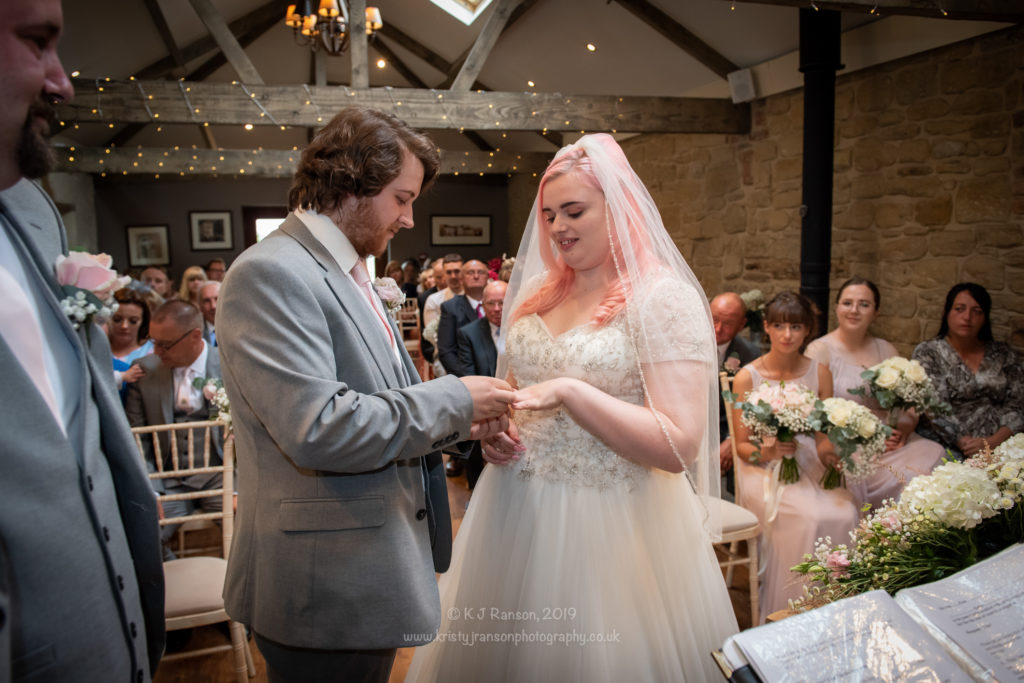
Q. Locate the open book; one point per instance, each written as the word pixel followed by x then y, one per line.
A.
pixel 969 626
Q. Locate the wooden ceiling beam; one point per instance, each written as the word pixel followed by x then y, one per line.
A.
pixel 160 21
pixel 1009 11
pixel 485 41
pixel 227 42
pixel 262 163
pixel 265 15
pixel 682 37
pixel 392 32
pixel 169 102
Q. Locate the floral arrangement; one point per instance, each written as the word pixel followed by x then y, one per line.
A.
pixel 899 384
pixel 213 391
pixel 391 295
pixel 943 522
pixel 754 301
pixel 859 438
pixel 88 283
pixel 430 331
pixel 732 364
pixel 781 410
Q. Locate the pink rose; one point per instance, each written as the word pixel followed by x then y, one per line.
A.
pixel 91 272
pixel 838 563
pixel 891 521
pixel 732 364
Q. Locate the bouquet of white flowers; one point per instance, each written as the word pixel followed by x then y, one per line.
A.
pixel 943 522
pixel 783 411
pixel 859 438
pixel 898 384
pixel 213 391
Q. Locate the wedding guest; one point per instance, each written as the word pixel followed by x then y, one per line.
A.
pixel 167 394
pixel 458 311
pixel 208 295
pixel 342 504
pixel 847 351
pixel 982 379
pixel 411 275
pixel 82 589
pixel 479 344
pixel 729 316
pixel 156 278
pixel 128 332
pixel 215 269
pixel 191 280
pixel 795 515
pixel 393 270
pixel 449 286
pixel 426 281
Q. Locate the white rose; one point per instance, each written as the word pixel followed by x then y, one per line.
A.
pixel 899 363
pixel 839 413
pixel 866 428
pixel 887 378
pixel 915 373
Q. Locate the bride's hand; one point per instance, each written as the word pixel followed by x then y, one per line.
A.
pixel 541 396
pixel 485 429
pixel 503 448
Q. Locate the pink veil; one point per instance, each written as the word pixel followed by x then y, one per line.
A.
pixel 666 312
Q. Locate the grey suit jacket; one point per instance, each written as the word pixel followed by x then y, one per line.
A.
pixel 747 352
pixel 77 514
pixel 150 401
pixel 336 540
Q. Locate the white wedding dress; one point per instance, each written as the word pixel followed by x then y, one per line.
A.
pixel 574 564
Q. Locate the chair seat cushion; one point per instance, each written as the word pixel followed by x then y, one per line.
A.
pixel 735 517
pixel 194 585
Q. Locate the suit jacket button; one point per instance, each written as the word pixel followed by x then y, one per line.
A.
pixel 106 534
pixel 135 632
pixel 120 582
pixel 139 677
pixel 455 436
pixel 421 514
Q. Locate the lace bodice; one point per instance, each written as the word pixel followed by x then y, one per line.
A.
pixel 557 448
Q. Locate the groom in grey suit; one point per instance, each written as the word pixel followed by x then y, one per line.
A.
pixel 342 504
pixel 81 586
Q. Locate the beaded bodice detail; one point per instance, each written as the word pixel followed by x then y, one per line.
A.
pixel 557 448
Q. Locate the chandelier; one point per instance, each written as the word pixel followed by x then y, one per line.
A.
pixel 328 26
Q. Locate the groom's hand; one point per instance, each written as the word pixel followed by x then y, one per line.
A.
pixel 488 428
pixel 491 397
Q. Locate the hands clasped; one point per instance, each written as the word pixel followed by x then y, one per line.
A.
pixel 492 401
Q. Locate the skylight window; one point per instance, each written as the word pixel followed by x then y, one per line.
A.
pixel 465 11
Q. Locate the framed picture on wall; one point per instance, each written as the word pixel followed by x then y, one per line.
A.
pixel 147 245
pixel 445 230
pixel 210 230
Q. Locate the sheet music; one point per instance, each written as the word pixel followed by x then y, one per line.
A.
pixel 981 609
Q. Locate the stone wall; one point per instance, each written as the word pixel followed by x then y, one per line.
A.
pixel 929 187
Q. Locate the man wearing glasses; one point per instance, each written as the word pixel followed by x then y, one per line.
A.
pixel 167 394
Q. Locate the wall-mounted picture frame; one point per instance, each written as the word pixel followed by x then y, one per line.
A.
pixel 453 230
pixel 210 230
pixel 147 245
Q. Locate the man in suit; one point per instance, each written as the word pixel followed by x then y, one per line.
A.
pixel 208 295
pixel 82 593
pixel 459 311
pixel 729 315
pixel 342 503
pixel 167 394
pixel 478 355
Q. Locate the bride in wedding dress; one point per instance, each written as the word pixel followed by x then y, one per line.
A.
pixel 585 554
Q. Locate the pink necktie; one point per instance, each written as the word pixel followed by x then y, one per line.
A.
pixel 362 278
pixel 479 311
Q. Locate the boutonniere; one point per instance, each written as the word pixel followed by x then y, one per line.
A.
pixel 391 295
pixel 213 391
pixel 88 283
pixel 732 364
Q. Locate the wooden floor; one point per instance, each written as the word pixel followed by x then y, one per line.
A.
pixel 217 668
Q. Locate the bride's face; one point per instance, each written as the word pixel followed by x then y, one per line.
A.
pixel 574 213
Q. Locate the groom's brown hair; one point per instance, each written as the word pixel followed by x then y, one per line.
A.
pixel 356 154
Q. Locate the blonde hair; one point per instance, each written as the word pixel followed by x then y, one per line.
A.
pixel 190 273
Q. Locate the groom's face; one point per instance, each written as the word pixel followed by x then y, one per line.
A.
pixel 371 222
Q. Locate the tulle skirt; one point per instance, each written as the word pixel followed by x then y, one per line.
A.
pixel 554 582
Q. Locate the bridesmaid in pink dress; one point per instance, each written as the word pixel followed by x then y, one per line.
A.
pixel 848 351
pixel 793 516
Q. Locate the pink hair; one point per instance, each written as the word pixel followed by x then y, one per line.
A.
pixel 558 283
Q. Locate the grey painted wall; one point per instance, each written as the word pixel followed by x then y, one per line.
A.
pixel 123 202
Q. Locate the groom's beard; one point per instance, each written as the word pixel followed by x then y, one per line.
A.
pixel 34 154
